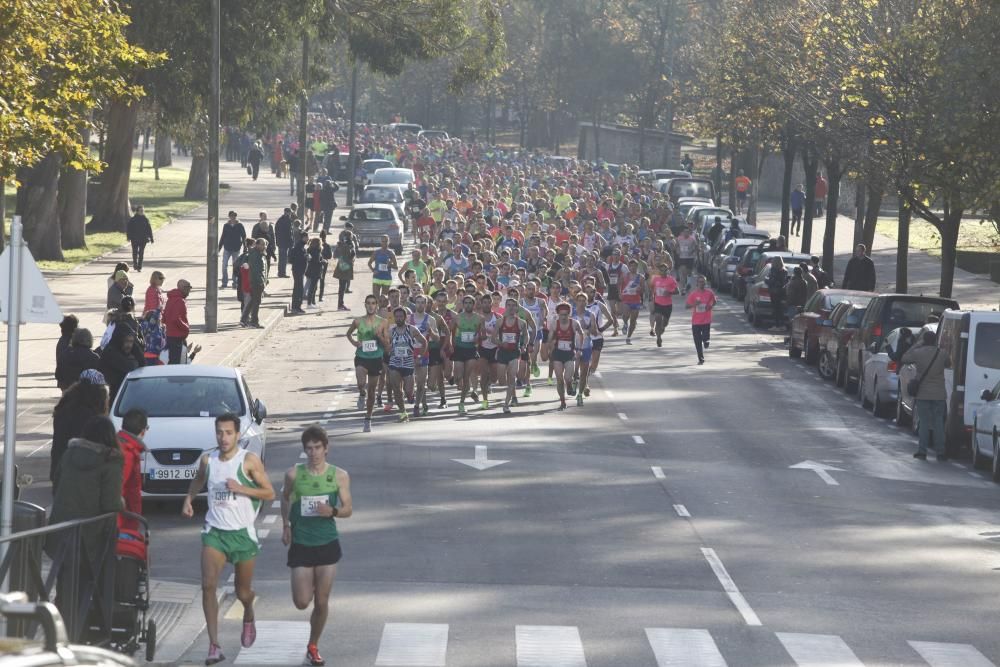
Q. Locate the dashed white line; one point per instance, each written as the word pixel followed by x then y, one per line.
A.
pixel 302 455
pixel 609 393
pixel 682 511
pixel 270 518
pixel 658 472
pixel 638 440
pixel 263 533
pixel 729 586
pixel 623 416
pixel 327 415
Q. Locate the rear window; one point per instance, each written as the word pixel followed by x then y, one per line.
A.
pixel 987 352
pixel 741 250
pixel 381 195
pixel 853 318
pixel 372 215
pixel 691 189
pixel 181 396
pixel 910 313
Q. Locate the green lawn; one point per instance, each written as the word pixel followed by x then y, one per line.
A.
pixel 972 235
pixel 163 200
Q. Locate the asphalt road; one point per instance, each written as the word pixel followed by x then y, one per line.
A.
pixel 660 524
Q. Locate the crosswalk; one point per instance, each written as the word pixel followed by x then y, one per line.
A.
pixel 426 645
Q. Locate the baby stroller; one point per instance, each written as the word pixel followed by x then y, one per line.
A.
pixel 129 625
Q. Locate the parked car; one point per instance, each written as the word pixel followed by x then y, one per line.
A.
pixel 724 262
pixel 373 165
pixel 834 343
pixel 745 270
pixel 805 324
pixel 686 204
pixel 675 188
pixel 182 402
pixel 828 341
pixel 372 221
pixel 433 134
pixel 904 400
pixel 659 176
pixel 757 304
pixel 406 128
pixel 879 385
pixel 986 434
pixel 387 194
pixel 393 176
pixel 885 313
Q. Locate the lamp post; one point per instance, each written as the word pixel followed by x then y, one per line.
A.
pixel 212 249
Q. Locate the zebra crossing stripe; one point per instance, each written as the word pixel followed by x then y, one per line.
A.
pixel 683 647
pixel 549 646
pixel 278 643
pixel 950 655
pixel 818 650
pixel 413 645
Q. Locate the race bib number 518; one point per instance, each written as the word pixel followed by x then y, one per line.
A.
pixel 310 505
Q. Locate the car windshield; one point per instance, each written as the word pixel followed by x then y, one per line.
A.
pixel 381 195
pixel 370 167
pixel 911 313
pixel 371 214
pixel 392 176
pixel 692 189
pixel 741 250
pixel 181 396
pixel 987 352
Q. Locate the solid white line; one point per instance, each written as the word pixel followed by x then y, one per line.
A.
pixel 638 440
pixel 950 655
pixel 682 511
pixel 269 519
pixel 41 447
pixel 413 644
pixel 976 474
pixel 658 472
pixel 549 646
pixel 623 416
pixel 729 586
pixel 683 647
pixel 826 477
pixel 818 650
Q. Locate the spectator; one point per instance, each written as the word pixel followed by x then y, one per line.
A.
pixel 798 202
pixel 242 281
pixel 231 244
pixel 284 240
pixel 258 279
pixel 328 202
pixel 135 423
pixel 860 271
pixel 75 359
pixel 820 193
pixel 797 291
pixel 139 232
pixel 314 269
pixel 68 325
pixel 119 289
pixel 254 157
pixel 343 271
pixel 156 298
pixel 777 279
pixel 175 320
pixel 823 280
pixel 299 259
pixel 811 283
pixel 84 398
pixel 118 359
pixel 120 266
pixel 265 230
pixel 327 253
pixel 154 337
pixel 930 395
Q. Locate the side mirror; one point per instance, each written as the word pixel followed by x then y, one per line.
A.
pixel 825 323
pixel 987 395
pixel 259 410
pixel 343 217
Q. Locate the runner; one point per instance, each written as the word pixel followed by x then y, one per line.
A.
pixel 383 265
pixel 617 272
pixel 236 485
pixel 539 313
pixel 402 341
pixel 702 300
pixel 427 324
pixel 588 325
pixel 368 357
pixel 664 287
pixel 487 348
pixel 466 331
pixel 440 350
pixel 604 320
pixel 549 323
pixel 686 245
pixel 315 494
pixel 631 293
pixel 565 341
pixel 511 338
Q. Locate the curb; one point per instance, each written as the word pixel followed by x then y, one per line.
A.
pixel 243 350
pixel 182 636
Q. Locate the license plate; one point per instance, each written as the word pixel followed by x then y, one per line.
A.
pixel 173 473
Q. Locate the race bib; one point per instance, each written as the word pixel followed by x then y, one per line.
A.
pixel 701 308
pixel 369 346
pixel 509 338
pixel 383 267
pixel 662 291
pixel 468 336
pixel 223 499
pixel 309 505
pixel 402 351
pixel 565 345
pixel 613 279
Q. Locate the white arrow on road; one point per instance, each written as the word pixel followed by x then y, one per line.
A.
pixel 481 462
pixel 820 469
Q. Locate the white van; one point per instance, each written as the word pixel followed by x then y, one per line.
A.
pixel 971 339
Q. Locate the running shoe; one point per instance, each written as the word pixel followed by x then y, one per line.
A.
pixel 562 405
pixel 474 396
pixel 551 381
pixel 368 426
pixel 388 408
pixel 404 416
pixel 518 383
pixel 513 401
pixel 249 634
pixel 378 401
pixel 652 333
pixel 579 399
pixel 425 408
pixel 486 404
pixel 506 409
pixel 706 344
pixel 586 392
pixel 361 402
pixel 527 392
pixel 535 371
pixel 313 657
pixel 215 655
pixel 701 362
pixel 461 408
pixel 443 404
pixel 628 341
pixel 659 342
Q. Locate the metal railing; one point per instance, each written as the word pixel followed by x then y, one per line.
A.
pixel 83 582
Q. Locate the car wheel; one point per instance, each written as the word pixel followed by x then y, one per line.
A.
pixel 902 419
pixel 878 408
pixel 810 353
pixel 996 456
pixel 793 351
pixel 827 369
pixel 978 459
pixel 862 394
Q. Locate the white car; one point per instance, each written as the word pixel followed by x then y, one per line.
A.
pixel 433 134
pixel 392 176
pixel 182 402
pixel 986 431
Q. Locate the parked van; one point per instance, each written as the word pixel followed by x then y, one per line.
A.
pixel 971 339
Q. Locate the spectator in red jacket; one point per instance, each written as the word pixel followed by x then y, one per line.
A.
pixel 176 321
pixel 134 427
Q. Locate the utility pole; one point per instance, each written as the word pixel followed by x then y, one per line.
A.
pixel 350 136
pixel 303 126
pixel 214 106
pixel 10 401
pixel 668 127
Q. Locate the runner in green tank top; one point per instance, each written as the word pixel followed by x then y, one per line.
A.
pixel 315 494
pixel 466 333
pixel 368 356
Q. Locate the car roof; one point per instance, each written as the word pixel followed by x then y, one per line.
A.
pixel 394 169
pixel 834 291
pixel 916 297
pixel 185 370
pixel 371 205
pixel 377 159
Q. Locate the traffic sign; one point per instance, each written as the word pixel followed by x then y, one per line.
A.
pixel 37 302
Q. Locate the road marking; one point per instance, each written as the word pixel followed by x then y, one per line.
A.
pixel 263 533
pixel 597 374
pixel 270 518
pixel 818 650
pixel 820 469
pixel 235 611
pixel 682 647
pixel 609 393
pixel 276 504
pixel 682 511
pixel 638 440
pixel 957 464
pixel 327 415
pixel 40 447
pixel 623 416
pixel 976 474
pixel 302 455
pixel 549 646
pixel 481 462
pixel 658 472
pixel 278 643
pixel 413 645
pixel 729 586
pixel 231 579
pixel 950 655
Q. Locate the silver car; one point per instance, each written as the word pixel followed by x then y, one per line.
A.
pixel 986 431
pixel 879 387
pixel 387 194
pixel 373 221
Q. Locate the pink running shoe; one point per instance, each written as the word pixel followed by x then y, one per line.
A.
pixel 249 634
pixel 214 655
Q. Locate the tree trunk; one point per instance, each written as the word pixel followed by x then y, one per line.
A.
pixel 197 183
pixel 732 180
pixel 3 213
pixel 810 164
pixel 162 155
pixel 832 201
pixel 859 211
pixel 38 206
pixel 788 153
pixel 111 210
pixel 903 245
pixel 73 204
pixel 874 196
pixel 597 134
pixel 949 247
pixel 642 142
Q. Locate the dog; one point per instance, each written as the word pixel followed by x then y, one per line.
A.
pixel 282 169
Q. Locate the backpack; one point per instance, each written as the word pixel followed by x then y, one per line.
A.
pixel 153 332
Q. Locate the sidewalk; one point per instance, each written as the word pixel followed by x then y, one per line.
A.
pixel 972 291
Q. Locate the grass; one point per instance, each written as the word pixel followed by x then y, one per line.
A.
pixel 973 235
pixel 163 199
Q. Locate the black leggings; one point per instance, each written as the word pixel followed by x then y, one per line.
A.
pixel 701 333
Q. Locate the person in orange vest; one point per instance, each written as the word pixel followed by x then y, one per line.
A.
pixel 742 191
